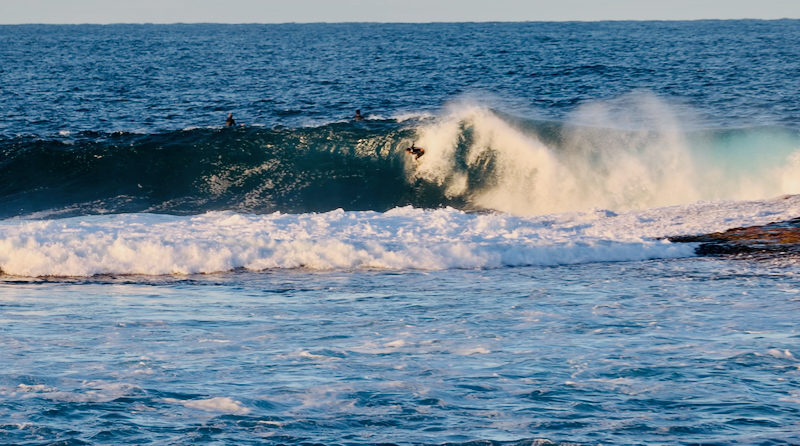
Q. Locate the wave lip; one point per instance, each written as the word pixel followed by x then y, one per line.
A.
pixel 402 238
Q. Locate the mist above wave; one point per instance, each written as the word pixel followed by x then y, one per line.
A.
pixel 630 153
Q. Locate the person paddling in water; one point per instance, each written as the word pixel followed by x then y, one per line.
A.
pixel 358 116
pixel 230 122
pixel 415 151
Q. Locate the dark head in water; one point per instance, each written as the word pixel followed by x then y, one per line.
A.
pixel 358 116
pixel 230 122
pixel 415 151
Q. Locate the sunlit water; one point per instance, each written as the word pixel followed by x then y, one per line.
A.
pixel 656 352
pixel 302 280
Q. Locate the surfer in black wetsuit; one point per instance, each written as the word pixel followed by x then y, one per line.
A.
pixel 358 116
pixel 230 122
pixel 415 151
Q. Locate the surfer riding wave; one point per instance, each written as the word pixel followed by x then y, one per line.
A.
pixel 415 151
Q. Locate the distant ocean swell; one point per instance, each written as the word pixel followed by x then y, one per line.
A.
pixel 476 159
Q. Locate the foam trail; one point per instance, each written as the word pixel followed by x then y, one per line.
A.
pixel 403 238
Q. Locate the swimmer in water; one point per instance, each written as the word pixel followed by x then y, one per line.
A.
pixel 415 151
pixel 230 122
pixel 358 116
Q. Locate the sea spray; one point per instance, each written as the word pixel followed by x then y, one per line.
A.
pixel 367 301
pixel 631 153
pixel 618 155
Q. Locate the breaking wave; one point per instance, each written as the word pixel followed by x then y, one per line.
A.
pixel 618 158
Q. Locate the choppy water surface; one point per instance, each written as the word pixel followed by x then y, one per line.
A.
pixel 300 279
pixel 678 352
pixel 146 78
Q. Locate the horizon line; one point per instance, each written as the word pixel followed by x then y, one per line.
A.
pixel 397 23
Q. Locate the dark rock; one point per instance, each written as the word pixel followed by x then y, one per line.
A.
pixel 768 241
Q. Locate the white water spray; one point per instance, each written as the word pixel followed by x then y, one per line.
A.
pixel 621 155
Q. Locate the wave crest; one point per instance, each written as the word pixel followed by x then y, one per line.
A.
pixel 620 155
pixel 627 156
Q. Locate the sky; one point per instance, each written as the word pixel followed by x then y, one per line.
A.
pixel 305 11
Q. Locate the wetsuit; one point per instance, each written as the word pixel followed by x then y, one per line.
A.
pixel 416 151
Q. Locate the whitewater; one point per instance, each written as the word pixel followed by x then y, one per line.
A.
pixel 300 279
pixel 611 186
pixel 402 238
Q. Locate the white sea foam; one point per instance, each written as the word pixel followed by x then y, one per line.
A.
pixel 786 354
pixel 309 355
pixel 624 155
pixel 35 388
pixel 402 238
pixel 473 351
pixel 402 117
pixel 93 392
pixel 217 404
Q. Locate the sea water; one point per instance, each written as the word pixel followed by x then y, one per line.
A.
pixel 301 280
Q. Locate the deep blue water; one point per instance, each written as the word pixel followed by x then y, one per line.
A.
pixel 168 77
pixel 528 119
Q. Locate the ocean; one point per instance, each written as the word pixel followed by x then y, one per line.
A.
pixel 298 278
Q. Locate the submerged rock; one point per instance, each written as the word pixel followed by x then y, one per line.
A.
pixel 779 238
